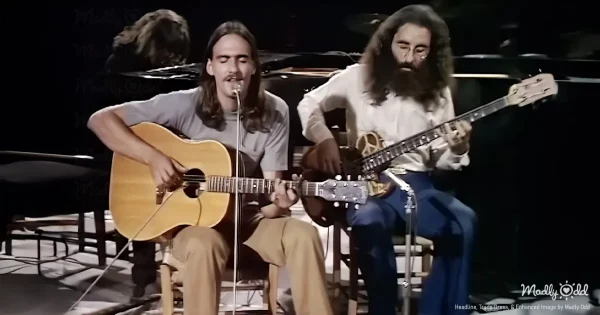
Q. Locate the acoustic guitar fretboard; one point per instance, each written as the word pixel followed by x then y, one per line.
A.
pixel 226 184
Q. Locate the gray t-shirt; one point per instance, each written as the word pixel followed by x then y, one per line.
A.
pixel 177 110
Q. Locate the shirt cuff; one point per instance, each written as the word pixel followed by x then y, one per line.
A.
pixel 456 158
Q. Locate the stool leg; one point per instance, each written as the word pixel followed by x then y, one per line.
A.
pixel 273 283
pixel 167 290
pixel 100 226
pixel 337 268
pixel 427 258
pixel 353 294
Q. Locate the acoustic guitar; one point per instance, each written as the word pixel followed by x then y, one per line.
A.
pixel 368 157
pixel 207 195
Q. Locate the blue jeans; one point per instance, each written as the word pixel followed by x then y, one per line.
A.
pixel 439 217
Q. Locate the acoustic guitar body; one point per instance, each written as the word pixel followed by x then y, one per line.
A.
pixel 134 199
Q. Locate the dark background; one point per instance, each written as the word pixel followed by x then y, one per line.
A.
pixel 527 175
pixel 52 53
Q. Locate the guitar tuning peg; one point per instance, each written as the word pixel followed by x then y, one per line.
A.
pixel 359 177
pixel 356 206
pixel 338 177
pixel 346 205
pixel 336 204
pixel 348 177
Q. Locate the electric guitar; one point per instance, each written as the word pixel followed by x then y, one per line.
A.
pixel 207 195
pixel 368 158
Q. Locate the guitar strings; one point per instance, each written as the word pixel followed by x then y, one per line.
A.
pixel 419 135
pixel 232 178
pixel 194 178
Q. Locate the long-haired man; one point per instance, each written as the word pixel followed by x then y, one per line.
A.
pixel 402 87
pixel 160 38
pixel 210 112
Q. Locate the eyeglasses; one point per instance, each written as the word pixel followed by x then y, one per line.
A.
pixel 420 52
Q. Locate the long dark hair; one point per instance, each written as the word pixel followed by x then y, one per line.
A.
pixel 161 36
pixel 381 64
pixel 209 109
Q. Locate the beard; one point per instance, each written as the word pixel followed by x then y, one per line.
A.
pixel 416 83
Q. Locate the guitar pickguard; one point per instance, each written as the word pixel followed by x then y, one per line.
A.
pixel 367 144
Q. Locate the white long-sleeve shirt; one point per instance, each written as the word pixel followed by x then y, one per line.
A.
pixel 394 120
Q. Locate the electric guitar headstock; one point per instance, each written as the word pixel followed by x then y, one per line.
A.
pixel 532 89
pixel 349 191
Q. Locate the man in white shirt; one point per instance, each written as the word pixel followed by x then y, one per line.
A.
pixel 400 88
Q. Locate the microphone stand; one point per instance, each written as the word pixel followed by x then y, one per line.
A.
pixel 237 90
pixel 410 205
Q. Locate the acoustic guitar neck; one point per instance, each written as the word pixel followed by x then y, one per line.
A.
pixel 226 184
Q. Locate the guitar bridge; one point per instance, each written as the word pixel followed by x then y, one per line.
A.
pixel 160 195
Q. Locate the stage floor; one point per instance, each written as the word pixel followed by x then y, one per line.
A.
pixel 23 292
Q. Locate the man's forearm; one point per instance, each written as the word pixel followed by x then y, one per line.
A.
pixel 313 121
pixel 117 136
pixel 332 95
pixel 318 132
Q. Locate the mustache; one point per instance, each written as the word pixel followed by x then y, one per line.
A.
pixel 234 77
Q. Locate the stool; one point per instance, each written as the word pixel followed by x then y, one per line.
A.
pixel 171 285
pixel 350 260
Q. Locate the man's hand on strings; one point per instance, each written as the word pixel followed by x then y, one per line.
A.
pixel 282 196
pixel 167 172
pixel 458 139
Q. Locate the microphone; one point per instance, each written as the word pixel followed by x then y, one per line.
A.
pixel 237 89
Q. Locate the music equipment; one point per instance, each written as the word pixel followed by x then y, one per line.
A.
pixel 205 197
pixel 366 23
pixel 373 158
pixel 410 208
pixel 236 90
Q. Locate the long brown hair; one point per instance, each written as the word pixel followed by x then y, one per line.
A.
pixel 381 64
pixel 161 36
pixel 254 115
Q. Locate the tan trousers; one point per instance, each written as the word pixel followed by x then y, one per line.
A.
pixel 282 241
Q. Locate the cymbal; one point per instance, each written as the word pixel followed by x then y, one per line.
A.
pixel 366 23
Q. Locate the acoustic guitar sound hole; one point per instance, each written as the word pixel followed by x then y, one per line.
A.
pixel 193 178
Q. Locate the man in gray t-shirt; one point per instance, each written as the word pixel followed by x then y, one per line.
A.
pixel 210 112
pixel 177 110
